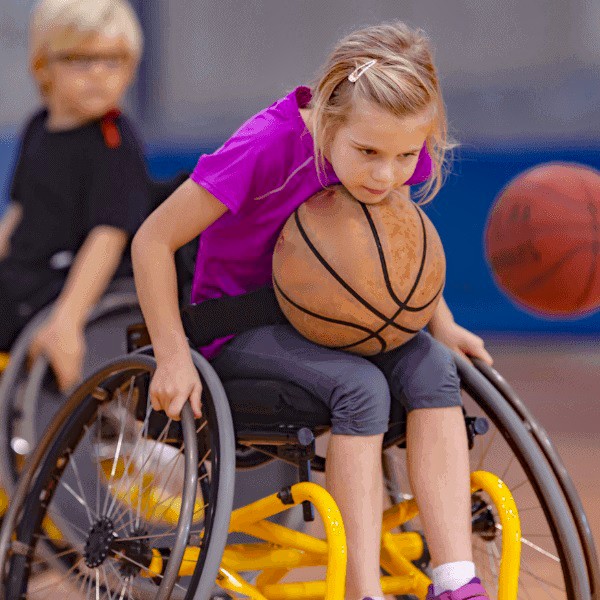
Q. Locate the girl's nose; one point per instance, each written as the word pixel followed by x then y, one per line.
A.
pixel 384 174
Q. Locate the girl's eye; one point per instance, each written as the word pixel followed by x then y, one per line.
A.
pixel 367 151
pixel 408 154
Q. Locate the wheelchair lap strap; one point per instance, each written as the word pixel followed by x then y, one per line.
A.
pixel 230 315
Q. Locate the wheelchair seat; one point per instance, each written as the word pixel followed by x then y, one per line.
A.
pixel 271 404
pixel 276 406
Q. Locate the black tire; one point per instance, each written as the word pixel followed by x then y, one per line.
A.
pixel 136 461
pixel 553 509
pixel 566 484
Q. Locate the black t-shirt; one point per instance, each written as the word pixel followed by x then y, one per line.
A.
pixel 68 183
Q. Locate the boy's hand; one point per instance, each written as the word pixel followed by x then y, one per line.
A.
pixel 175 381
pixel 8 223
pixel 4 247
pixel 63 344
pixel 462 341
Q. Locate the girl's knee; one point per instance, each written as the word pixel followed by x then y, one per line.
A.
pixel 361 403
pixel 431 380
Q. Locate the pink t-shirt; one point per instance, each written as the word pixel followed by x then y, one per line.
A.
pixel 262 174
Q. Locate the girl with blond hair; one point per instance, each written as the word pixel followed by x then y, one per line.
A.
pixel 375 122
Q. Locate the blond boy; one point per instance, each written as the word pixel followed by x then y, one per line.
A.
pixel 80 188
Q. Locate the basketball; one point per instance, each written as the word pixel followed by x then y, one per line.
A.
pixel 357 277
pixel 542 240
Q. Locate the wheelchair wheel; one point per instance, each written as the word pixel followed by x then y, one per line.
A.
pixel 558 557
pixel 29 399
pixel 117 501
pixel 553 564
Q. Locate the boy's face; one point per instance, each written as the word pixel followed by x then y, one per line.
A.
pixel 375 152
pixel 87 80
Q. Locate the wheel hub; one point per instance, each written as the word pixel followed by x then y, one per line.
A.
pixel 99 541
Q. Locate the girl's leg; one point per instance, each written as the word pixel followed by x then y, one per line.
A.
pixel 423 378
pixel 438 468
pixel 357 394
pixel 354 479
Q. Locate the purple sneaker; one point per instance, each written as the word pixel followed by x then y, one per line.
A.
pixel 470 591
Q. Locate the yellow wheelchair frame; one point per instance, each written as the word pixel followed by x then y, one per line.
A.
pixel 284 549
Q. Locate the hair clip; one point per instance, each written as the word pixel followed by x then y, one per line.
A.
pixel 360 70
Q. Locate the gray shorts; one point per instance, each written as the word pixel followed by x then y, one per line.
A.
pixel 357 390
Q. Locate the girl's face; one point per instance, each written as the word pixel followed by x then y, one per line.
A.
pixel 375 152
pixel 87 81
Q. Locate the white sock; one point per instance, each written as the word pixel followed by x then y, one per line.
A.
pixel 451 576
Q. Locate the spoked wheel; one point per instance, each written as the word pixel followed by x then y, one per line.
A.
pixel 552 561
pixel 119 501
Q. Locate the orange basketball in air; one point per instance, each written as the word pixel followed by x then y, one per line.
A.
pixel 357 277
pixel 542 240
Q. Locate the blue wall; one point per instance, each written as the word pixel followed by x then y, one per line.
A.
pixel 460 213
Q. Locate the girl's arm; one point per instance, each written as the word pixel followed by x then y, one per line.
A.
pixel 442 317
pixel 184 215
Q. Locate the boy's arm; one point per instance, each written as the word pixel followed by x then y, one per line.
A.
pixel 61 337
pixel 8 223
pixel 93 269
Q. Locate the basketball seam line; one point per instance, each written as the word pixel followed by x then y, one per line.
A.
pixel 374 231
pixel 322 317
pixel 333 273
pixel 533 283
pixel 401 304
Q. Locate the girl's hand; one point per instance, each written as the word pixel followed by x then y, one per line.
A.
pixel 63 344
pixel 175 381
pixel 462 341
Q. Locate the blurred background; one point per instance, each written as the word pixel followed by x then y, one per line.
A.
pixel 522 86
pixel 520 81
